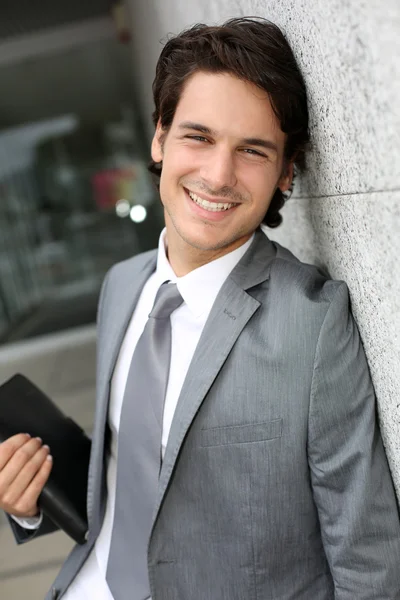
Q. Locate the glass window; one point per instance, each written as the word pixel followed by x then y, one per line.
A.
pixel 75 193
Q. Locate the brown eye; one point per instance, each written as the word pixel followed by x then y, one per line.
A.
pixel 197 138
pixel 253 152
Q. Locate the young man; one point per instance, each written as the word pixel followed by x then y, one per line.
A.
pixel 236 453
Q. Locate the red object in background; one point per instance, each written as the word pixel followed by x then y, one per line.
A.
pixel 120 16
pixel 102 188
pixel 112 185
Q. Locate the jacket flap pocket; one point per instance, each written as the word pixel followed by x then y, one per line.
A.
pixel 240 434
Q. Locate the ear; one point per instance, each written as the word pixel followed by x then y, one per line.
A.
pixel 156 145
pixel 286 178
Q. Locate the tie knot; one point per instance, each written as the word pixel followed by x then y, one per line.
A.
pixel 167 300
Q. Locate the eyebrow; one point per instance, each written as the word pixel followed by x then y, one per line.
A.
pixel 252 141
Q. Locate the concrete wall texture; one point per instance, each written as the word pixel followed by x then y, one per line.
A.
pixel 345 213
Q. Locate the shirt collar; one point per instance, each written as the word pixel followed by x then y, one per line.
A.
pixel 200 287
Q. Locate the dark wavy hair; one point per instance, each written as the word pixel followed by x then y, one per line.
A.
pixel 254 50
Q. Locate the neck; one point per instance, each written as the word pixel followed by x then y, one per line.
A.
pixel 185 258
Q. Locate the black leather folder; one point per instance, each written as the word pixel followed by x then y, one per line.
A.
pixel 24 408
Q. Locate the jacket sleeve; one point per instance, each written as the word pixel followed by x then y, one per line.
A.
pixel 350 477
pixel 23 535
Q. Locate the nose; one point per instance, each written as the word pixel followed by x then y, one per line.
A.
pixel 219 169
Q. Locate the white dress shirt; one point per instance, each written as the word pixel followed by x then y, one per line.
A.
pixel 199 289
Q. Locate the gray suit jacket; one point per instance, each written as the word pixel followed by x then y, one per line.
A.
pixel 275 484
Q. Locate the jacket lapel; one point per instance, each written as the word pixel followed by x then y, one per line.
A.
pixel 119 313
pixel 231 312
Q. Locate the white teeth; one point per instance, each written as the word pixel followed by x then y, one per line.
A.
pixel 212 206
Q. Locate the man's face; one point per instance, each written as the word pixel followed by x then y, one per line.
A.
pixel 222 160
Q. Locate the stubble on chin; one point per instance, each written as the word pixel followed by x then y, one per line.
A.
pixel 207 244
pixel 195 244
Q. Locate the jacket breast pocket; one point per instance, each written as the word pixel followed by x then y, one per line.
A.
pixel 241 434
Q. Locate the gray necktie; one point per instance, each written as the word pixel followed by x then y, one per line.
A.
pixel 139 451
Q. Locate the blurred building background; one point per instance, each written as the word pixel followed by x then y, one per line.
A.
pixel 75 197
pixel 75 106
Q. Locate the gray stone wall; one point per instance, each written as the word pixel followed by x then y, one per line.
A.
pixel 345 214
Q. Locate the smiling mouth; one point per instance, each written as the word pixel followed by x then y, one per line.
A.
pixel 211 206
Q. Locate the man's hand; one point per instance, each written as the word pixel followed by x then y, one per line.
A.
pixel 25 466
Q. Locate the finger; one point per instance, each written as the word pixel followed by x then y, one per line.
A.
pixel 22 481
pixel 16 463
pixel 10 446
pixel 27 504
